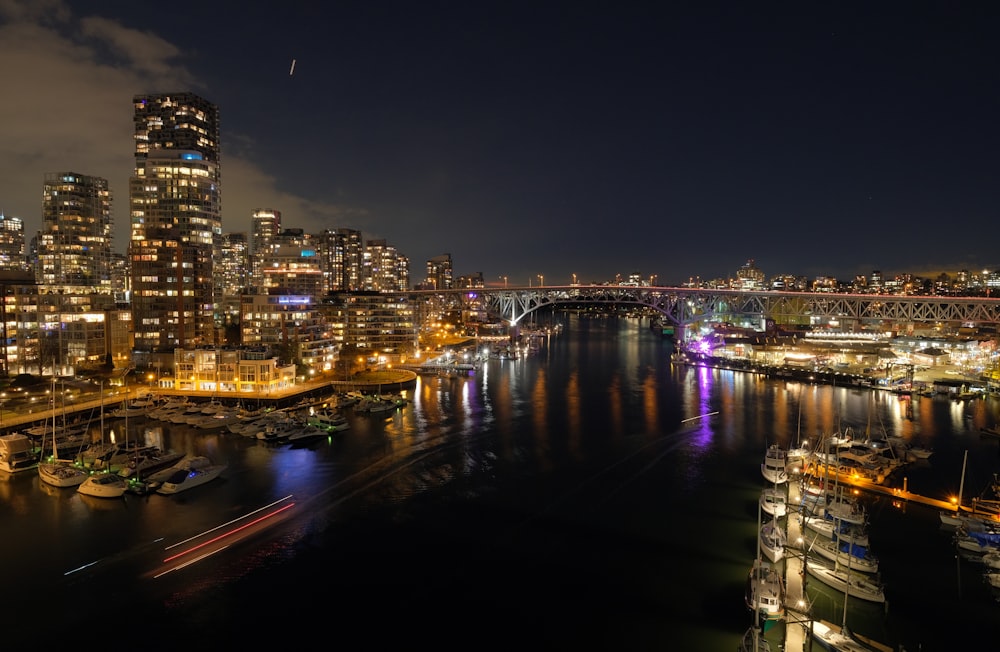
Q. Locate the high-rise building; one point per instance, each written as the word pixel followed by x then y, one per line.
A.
pixel 266 224
pixel 342 251
pixel 384 268
pixel 232 273
pixel 292 265
pixel 439 272
pixel 74 247
pixel 12 250
pixel 175 210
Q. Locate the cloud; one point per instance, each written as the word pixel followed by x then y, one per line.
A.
pixel 67 107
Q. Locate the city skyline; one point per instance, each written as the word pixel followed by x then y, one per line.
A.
pixel 545 141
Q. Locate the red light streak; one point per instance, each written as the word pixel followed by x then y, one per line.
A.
pixel 229 533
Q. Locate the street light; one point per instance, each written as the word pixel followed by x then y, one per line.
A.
pixel 541 280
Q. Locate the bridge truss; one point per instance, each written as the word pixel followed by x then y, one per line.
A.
pixel 685 306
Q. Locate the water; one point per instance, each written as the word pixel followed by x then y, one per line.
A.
pixel 589 494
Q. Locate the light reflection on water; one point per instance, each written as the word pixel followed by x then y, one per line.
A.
pixel 614 492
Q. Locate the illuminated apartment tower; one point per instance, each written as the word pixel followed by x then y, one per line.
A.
pixel 74 247
pixel 342 251
pixel 12 251
pixel 232 273
pixel 384 268
pixel 266 225
pixel 175 210
pixel 439 272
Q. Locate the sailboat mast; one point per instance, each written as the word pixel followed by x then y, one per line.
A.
pixel 961 484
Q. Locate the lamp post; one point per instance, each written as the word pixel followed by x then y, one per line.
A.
pixel 541 280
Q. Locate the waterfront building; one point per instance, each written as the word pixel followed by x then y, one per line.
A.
pixel 376 322
pixel 176 225
pixel 74 247
pixel 291 326
pixel 233 371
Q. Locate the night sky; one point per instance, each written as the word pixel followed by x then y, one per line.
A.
pixel 538 140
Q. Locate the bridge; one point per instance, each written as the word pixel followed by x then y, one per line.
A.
pixel 684 306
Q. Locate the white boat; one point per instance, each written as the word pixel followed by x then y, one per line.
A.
pixel 993 579
pixel 329 420
pixel 60 472
pixel 765 591
pixel 182 480
pixel 845 509
pixel 17 453
pixel 857 558
pixel 184 464
pixel 844 532
pixel 857 585
pixel 991 559
pixel 971 519
pixel 308 433
pixel 136 408
pixel 774 501
pixel 977 542
pixel 835 639
pixel 103 485
pixel 773 540
pixel 773 468
pixel 148 463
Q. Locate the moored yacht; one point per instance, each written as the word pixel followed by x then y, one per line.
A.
pixel 773 468
pixel 103 485
pixel 185 479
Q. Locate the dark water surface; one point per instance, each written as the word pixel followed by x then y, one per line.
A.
pixel 587 495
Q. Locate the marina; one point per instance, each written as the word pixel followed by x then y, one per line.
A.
pixel 475 487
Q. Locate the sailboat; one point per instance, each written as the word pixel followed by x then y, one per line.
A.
pixel 971 520
pixel 841 639
pixel 105 484
pixel 60 472
pixel 765 590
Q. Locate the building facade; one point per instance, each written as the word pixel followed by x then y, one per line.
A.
pixel 74 247
pixel 175 198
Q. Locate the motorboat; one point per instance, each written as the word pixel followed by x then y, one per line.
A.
pixel 185 479
pixel 773 468
pixel 307 433
pixel 103 485
pixel 855 584
pixel 774 501
pixel 772 541
pixel 149 462
pixel 184 464
pixel 17 453
pixel 329 420
pixel 993 579
pixel 375 405
pixel 136 408
pixel 765 591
